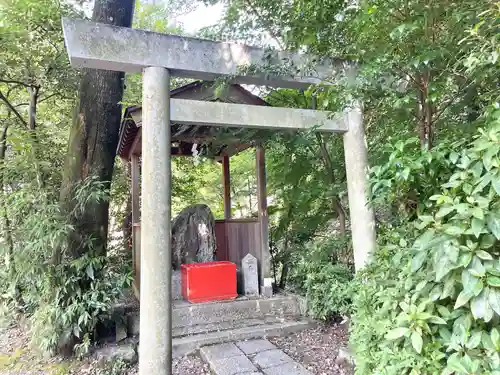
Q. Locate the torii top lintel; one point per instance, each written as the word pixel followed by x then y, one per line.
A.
pixel 102 46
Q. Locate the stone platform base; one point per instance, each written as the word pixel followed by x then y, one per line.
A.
pixel 197 325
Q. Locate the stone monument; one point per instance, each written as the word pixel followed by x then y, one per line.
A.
pixel 250 273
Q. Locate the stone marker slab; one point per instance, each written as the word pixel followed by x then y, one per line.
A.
pixel 270 358
pixel 292 368
pixel 232 365
pixel 250 271
pixel 255 346
pixel 220 351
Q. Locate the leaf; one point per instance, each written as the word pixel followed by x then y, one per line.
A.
pixel 396 333
pixel 90 271
pixel 454 364
pixel 487 342
pixel 474 340
pixel 494 300
pixel 417 342
pixel 436 320
pixel 495 182
pixel 454 157
pixel 495 337
pixel 418 260
pixel 443 211
pixel 493 222
pixel 477 226
pixel 493 281
pixel 462 299
pixel 477 169
pixel 479 306
pixel 443 267
pixel 476 267
pixel 448 289
pixel 471 284
pixel 477 213
pixel 487 241
pixel 443 311
pixel 465 258
pixel 489 155
pixel 454 230
pixel 435 293
pixel 484 255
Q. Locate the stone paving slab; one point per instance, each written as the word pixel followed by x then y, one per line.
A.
pixel 220 351
pixel 237 365
pixel 291 368
pixel 254 346
pixel 253 357
pixel 270 358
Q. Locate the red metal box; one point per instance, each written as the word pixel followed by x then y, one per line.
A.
pixel 213 281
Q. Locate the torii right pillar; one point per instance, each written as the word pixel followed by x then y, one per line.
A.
pixel 362 218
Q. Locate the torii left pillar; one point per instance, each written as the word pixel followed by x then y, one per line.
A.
pixel 155 350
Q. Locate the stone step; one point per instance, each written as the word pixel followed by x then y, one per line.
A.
pixel 188 344
pixel 185 314
pixel 224 326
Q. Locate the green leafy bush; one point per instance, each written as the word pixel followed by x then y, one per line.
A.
pixel 434 307
pixel 63 298
pixel 325 284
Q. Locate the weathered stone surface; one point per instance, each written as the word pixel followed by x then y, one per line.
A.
pixel 193 236
pixel 124 352
pixel 345 357
pixel 267 288
pixel 220 351
pixel 156 253
pixel 292 368
pixel 189 344
pixel 176 285
pixel 270 358
pixel 362 218
pixel 94 45
pixel 231 366
pixel 250 272
pixel 255 346
pixel 121 331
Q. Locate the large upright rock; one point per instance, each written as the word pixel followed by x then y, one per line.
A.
pixel 193 236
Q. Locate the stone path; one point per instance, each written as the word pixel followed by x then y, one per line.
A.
pixel 254 357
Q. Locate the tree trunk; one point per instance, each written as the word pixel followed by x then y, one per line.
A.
pixel 7 233
pixel 425 111
pixel 336 204
pixel 94 138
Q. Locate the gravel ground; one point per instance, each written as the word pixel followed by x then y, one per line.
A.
pixel 317 348
pixel 17 358
pixel 190 365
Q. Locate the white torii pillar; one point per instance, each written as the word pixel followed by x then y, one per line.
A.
pixel 100 46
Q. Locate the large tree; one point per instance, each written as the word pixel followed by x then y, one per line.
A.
pixel 94 137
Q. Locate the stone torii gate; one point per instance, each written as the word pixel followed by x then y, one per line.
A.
pixel 160 56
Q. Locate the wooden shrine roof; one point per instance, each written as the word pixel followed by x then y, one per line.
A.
pixel 210 140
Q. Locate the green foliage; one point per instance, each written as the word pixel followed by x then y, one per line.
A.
pixel 433 307
pixel 411 175
pixel 64 299
pixel 325 284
